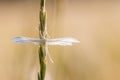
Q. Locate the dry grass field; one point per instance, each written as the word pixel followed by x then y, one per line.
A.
pixel 95 23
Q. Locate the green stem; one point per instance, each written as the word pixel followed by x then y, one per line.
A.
pixel 42 60
pixel 42 48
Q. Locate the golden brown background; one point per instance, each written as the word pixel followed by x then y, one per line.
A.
pixel 96 23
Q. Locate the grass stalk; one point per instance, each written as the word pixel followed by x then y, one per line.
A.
pixel 42 35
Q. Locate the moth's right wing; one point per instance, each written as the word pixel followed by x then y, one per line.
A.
pixel 62 41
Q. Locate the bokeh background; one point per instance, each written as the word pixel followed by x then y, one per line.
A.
pixel 96 23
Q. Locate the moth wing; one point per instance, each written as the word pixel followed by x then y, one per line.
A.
pixel 59 43
pixel 26 40
pixel 62 41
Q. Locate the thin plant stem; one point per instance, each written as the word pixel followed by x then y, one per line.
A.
pixel 42 35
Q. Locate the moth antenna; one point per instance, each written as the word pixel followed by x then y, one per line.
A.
pixel 48 35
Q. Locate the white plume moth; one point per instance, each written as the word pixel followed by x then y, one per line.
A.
pixel 37 41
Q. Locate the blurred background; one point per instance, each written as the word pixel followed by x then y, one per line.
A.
pixel 96 23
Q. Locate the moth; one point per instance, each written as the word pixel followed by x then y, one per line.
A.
pixel 38 41
pixel 57 41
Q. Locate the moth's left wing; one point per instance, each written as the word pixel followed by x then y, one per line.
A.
pixel 26 40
